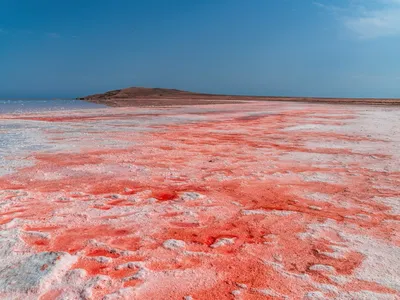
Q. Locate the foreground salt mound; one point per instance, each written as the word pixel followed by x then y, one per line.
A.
pixel 35 272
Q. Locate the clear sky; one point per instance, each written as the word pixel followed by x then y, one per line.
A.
pixel 73 48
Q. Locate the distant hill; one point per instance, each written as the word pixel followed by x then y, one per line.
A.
pixel 141 92
pixel 141 96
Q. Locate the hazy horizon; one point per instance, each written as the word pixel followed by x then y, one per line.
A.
pixel 50 98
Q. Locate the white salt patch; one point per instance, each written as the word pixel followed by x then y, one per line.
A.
pixel 223 242
pixel 338 252
pixel 365 295
pixel 174 244
pixel 392 202
pixel 141 274
pixel 319 197
pixel 242 285
pixel 341 280
pixel 236 292
pixel 381 263
pixel 43 235
pixel 130 265
pixel 102 259
pixel 269 292
pixel 315 296
pixel 325 287
pixel 319 177
pixel 313 207
pixel 304 127
pixel 358 217
pixel 267 212
pixel 323 268
pixel 190 196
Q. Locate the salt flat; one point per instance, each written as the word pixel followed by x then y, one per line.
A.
pixel 263 200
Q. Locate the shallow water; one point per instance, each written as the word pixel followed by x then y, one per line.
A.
pixel 24 106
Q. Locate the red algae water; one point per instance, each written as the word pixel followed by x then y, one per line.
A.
pixel 246 201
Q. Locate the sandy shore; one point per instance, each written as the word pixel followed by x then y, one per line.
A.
pixel 264 200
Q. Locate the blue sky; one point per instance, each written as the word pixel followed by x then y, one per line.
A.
pixel 343 48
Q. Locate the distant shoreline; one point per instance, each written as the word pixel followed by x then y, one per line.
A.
pixel 139 96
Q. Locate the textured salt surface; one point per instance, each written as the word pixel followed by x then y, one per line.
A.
pixel 244 201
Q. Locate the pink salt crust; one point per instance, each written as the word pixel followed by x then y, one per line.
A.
pixel 244 201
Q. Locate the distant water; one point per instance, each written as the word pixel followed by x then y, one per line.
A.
pixel 24 106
